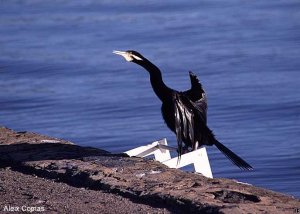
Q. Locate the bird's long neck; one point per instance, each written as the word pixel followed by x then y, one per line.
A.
pixel 161 90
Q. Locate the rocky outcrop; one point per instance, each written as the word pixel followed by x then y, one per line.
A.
pixel 147 181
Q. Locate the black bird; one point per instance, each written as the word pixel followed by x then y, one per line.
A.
pixel 184 112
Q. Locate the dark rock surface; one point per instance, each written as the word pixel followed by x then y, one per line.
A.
pixel 32 192
pixel 142 184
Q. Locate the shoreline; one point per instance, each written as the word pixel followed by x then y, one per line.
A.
pixel 144 185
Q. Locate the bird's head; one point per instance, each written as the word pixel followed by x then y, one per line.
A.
pixel 130 56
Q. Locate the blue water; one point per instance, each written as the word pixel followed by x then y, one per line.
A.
pixel 58 75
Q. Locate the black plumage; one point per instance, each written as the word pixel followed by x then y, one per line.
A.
pixel 184 112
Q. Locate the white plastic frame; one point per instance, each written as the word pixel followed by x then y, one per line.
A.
pixel 161 152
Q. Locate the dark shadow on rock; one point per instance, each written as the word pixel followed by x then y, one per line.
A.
pixel 46 151
pixel 235 197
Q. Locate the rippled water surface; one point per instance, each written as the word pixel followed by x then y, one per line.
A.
pixel 58 75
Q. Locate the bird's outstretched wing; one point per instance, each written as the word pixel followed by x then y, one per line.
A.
pixel 196 91
pixel 190 126
pixel 184 111
pixel 197 95
pixel 195 82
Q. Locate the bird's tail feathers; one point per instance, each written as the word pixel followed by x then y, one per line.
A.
pixel 232 156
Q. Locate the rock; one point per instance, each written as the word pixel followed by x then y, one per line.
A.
pixel 147 181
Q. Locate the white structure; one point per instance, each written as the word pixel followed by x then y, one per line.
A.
pixel 161 152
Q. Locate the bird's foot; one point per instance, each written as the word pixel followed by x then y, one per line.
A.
pixel 184 150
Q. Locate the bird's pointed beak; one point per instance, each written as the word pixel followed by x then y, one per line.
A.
pixel 122 53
